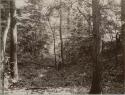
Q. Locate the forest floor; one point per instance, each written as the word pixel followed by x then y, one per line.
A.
pixel 72 80
pixel 36 80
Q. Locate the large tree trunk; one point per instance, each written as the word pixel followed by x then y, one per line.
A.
pixel 13 45
pixel 96 86
pixel 123 35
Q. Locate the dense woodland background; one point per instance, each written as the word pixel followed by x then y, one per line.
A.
pixel 62 47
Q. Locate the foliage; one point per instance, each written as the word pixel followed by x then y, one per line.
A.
pixel 32 32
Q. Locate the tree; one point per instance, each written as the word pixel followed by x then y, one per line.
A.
pixel 54 41
pixel 4 39
pixel 60 29
pixel 69 6
pixel 4 27
pixel 0 54
pixel 96 86
pixel 5 34
pixel 13 42
pixel 33 36
pixel 123 35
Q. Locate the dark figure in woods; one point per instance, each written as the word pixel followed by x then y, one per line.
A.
pixel 118 46
pixel 59 64
pixel 118 41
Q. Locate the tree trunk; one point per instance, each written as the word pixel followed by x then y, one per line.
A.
pixel 96 86
pixel 1 69
pixel 123 36
pixel 4 38
pixel 61 40
pixel 13 46
pixel 54 39
pixel 68 19
pixel 1 66
pixel 5 34
pixel 54 42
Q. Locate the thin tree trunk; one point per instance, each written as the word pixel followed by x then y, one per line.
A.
pixel 1 69
pixel 54 40
pixel 5 34
pixel 13 46
pixel 96 81
pixel 3 46
pixel 1 58
pixel 123 36
pixel 61 40
pixel 68 19
pixel 89 27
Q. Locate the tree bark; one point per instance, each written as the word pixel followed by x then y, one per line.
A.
pixel 13 46
pixel 96 81
pixel 68 19
pixel 5 34
pixel 123 36
pixel 4 38
pixel 54 39
pixel 61 40
pixel 54 42
pixel 1 69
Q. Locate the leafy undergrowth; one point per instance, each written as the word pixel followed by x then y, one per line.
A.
pixel 113 78
pixel 36 79
pixel 49 91
pixel 45 80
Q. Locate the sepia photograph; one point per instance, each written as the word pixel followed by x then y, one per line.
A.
pixel 62 47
